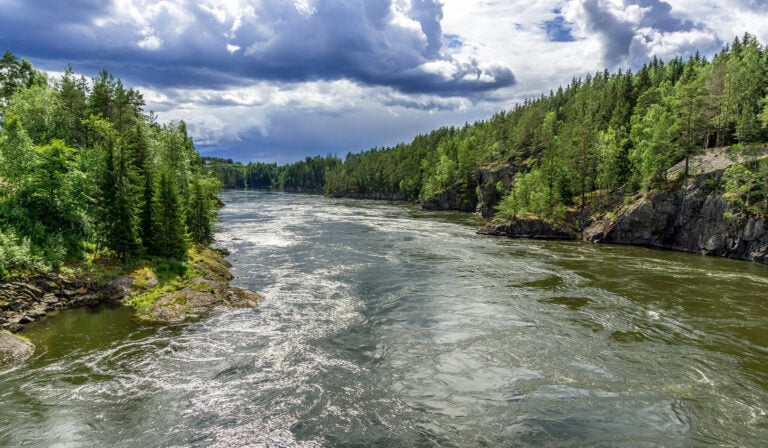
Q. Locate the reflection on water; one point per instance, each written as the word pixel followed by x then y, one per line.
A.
pixel 385 325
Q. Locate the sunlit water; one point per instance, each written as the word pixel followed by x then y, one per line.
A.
pixel 384 325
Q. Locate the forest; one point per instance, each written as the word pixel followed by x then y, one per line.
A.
pixel 306 175
pixel 84 171
pixel 605 132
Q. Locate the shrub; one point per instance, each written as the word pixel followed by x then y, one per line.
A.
pixel 16 256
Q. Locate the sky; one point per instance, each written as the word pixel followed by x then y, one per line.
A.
pixel 279 80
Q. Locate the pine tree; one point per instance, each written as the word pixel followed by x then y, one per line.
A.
pixel 168 230
pixel 202 209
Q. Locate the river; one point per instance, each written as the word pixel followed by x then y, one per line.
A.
pixel 385 325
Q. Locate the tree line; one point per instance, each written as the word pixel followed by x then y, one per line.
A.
pixel 308 175
pixel 605 132
pixel 83 169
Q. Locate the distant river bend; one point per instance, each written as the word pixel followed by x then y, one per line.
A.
pixel 385 325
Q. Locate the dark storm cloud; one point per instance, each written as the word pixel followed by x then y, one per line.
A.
pixel 185 44
pixel 617 34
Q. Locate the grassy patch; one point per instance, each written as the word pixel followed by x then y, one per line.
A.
pixel 204 287
pixel 144 301
pixel 173 275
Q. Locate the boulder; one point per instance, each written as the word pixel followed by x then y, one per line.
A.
pixel 528 228
pixel 14 350
pixel 117 289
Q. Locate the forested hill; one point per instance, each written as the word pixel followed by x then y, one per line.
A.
pixel 606 132
pixel 84 170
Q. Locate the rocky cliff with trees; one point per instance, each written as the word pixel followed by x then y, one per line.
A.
pixel 597 148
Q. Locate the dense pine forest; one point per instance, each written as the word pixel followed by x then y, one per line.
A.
pixel 607 132
pixel 84 170
pixel 619 131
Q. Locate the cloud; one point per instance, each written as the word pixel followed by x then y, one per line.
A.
pixel 393 43
pixel 281 79
pixel 631 31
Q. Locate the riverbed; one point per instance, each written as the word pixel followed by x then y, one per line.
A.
pixel 386 325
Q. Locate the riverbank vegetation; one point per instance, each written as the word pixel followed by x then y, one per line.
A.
pixel 85 173
pixel 605 132
pixel 602 136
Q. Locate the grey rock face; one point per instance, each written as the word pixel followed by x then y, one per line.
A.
pixel 488 180
pixel 452 198
pixel 689 219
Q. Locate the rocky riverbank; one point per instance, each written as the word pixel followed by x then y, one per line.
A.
pixel 691 216
pixel 190 296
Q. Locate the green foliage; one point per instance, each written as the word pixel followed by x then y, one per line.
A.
pixel 168 227
pixel 16 257
pixel 202 205
pixel 170 269
pixel 608 132
pixel 739 183
pixel 309 175
pixel 653 151
pixel 532 194
pixel 83 168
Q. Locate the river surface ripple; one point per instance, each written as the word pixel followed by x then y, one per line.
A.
pixel 385 325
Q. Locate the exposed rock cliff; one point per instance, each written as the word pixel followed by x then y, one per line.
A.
pixel 690 219
pixel 488 180
pixel 454 197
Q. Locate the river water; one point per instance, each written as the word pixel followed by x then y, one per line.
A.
pixel 385 325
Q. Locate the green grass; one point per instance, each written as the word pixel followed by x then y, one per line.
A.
pixel 147 299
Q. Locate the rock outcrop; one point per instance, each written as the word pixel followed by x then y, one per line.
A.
pixel 691 218
pixel 201 295
pixel 27 301
pixel 529 228
pixel 452 198
pixel 14 350
pixel 488 180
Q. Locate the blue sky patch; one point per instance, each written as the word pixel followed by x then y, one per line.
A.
pixel 558 30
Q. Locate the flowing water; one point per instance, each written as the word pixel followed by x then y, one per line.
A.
pixel 384 325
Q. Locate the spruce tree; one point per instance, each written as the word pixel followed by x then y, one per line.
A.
pixel 168 230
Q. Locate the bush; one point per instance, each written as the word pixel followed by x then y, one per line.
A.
pixel 16 257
